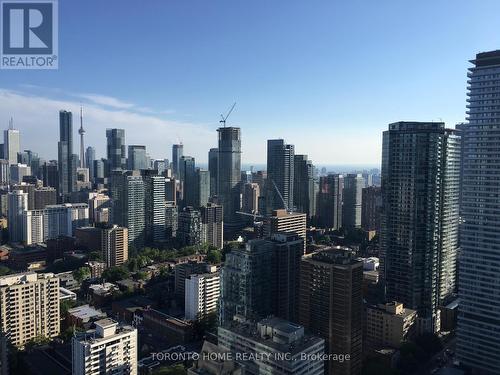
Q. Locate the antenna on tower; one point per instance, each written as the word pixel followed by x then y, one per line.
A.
pixel 224 118
pixel 11 123
pixel 81 131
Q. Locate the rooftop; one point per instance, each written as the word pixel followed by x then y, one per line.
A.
pixel 85 312
pixel 278 334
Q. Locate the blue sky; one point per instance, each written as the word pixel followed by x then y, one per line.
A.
pixel 327 76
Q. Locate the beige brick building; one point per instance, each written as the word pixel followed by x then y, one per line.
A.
pixel 29 307
pixel 388 325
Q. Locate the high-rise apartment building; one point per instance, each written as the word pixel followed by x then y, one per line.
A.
pixel 171 190
pixel 419 220
pixel 137 158
pixel 281 221
pixel 18 171
pixel 251 194
pixel 97 203
pixel 212 226
pixel 50 174
pixel 67 161
pixel 202 293
pixel 329 201
pixel 288 251
pixel 11 144
pixel 114 245
pixel 189 227
pixel 177 154
pixel 202 194
pixel 478 333
pixel 115 149
pixel 155 208
pixel 371 205
pixel 245 281
pixel 171 220
pixel 108 349
pixel 63 219
pixel 331 305
pixel 89 161
pixel 188 181
pixel 4 172
pixel 30 307
pixel 304 194
pixel 43 197
pixel 182 272
pixel 280 175
pixel 352 198
pixel 229 174
pixel 213 161
pixel 17 204
pixel 128 194
pixel 34 230
pixel 27 188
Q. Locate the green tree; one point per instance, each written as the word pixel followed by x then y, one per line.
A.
pixel 81 274
pixel 205 324
pixel 37 341
pixel 95 255
pixel 214 256
pixel 64 306
pixel 116 273
pixel 141 275
pixel 4 270
pixel 171 370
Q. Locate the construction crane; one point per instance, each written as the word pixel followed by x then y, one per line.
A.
pixel 224 118
pixel 255 215
pixel 285 205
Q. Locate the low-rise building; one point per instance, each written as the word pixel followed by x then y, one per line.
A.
pixel 175 331
pixel 272 346
pixel 83 316
pixel 388 325
pixel 66 295
pixel 214 361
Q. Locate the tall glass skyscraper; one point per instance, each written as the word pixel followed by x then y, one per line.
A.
pixel 187 177
pixel 419 220
pixel 115 149
pixel 229 174
pixel 213 157
pixel 177 153
pixel 280 172
pixel 89 161
pixel 11 144
pixel 66 160
pixel 304 195
pixel 353 193
pixel 478 344
pixel 137 158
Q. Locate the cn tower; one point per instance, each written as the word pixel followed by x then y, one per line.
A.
pixel 81 131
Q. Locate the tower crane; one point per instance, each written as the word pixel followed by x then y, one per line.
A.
pixel 224 118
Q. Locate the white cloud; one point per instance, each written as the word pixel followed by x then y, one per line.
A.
pixel 36 115
pixel 108 101
pixel 37 118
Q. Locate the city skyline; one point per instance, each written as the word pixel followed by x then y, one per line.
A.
pixel 290 189
pixel 352 62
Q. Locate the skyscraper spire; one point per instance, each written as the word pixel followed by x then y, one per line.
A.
pixel 81 131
